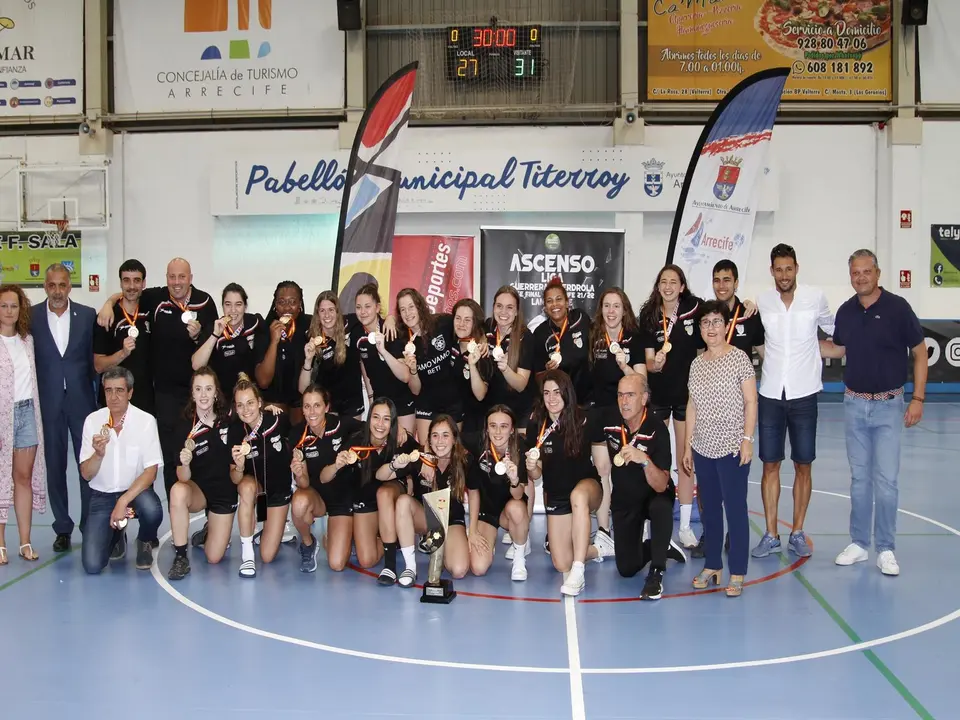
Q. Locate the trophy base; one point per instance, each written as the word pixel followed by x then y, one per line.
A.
pixel 441 592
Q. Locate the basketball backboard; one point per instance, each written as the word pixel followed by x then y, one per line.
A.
pixel 78 194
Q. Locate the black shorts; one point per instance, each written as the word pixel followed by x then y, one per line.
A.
pixel 663 412
pixel 335 504
pixel 430 410
pixel 554 504
pixel 348 409
pixel 366 501
pixel 221 499
pixel 457 514
pixel 404 404
pixel 491 516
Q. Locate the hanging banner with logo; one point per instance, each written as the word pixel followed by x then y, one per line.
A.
pixel 945 256
pixel 202 55
pixel 718 204
pixel 439 266
pixel 837 49
pixel 587 261
pixel 25 257
pixel 41 58
pixel 368 209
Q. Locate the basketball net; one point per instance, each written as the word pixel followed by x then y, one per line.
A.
pixel 55 233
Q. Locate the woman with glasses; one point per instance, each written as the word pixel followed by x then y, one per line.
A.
pixel 721 418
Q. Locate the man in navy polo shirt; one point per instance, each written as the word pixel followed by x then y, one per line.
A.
pixel 874 329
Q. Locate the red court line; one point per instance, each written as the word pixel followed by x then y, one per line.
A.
pixel 766 578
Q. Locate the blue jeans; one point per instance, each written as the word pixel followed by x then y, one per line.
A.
pixel 873 430
pixel 778 418
pixel 722 486
pixel 98 535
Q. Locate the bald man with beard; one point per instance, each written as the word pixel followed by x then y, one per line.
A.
pixel 180 316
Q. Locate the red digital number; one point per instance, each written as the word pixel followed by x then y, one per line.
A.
pixel 477 36
pixel 511 40
pixel 500 39
pixel 487 37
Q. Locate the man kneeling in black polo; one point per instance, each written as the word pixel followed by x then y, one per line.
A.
pixel 639 449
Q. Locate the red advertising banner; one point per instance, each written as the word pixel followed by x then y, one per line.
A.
pixel 439 266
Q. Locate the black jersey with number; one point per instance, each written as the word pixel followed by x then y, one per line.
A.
pixel 285 386
pixel 382 379
pixel 108 342
pixel 573 349
pixel 210 464
pixel 500 392
pixel 669 386
pixel 319 452
pixel 171 347
pixel 561 472
pixel 494 489
pixel 236 354
pixel 605 372
pixel 652 437
pixel 473 409
pixel 344 382
pixel 270 451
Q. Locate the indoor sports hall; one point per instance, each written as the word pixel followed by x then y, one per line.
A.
pixel 276 151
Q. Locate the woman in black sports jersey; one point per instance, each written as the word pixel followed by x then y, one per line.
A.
pixel 385 375
pixel 321 489
pixel 203 473
pixel 229 349
pixel 376 484
pixel 427 355
pixel 445 466
pixel 472 365
pixel 671 340
pixel 496 485
pixel 279 349
pixel 615 351
pixel 330 360
pixel 562 341
pixel 260 449
pixel 560 455
pixel 511 349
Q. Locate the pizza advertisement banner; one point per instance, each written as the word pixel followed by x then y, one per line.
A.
pixel 836 49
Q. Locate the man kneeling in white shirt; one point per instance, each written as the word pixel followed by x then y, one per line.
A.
pixel 120 456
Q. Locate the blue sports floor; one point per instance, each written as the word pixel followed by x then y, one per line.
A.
pixel 806 640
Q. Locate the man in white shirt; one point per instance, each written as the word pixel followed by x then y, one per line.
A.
pixel 789 384
pixel 119 459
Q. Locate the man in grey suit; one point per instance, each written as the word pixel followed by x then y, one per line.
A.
pixel 63 339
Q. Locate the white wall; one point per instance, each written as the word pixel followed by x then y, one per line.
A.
pixel 835 193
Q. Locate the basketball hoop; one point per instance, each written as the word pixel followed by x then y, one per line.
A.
pixel 55 234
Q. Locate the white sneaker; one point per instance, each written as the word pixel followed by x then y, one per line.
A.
pixel 518 572
pixel 646 531
pixel 289 534
pixel 507 540
pixel 574 581
pixel 604 545
pixel 888 563
pixel 852 554
pixel 526 549
pixel 687 538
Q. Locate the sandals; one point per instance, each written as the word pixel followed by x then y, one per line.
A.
pixel 30 555
pixel 735 588
pixel 387 577
pixel 703 580
pixel 3 556
pixel 408 578
pixel 248 569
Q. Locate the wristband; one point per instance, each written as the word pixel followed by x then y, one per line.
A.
pixel 747 438
pixel 918 399
pixel 307 369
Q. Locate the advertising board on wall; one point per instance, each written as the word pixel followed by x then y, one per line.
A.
pixel 201 55
pixel 945 256
pixel 836 49
pixel 41 58
pixel 555 179
pixel 25 256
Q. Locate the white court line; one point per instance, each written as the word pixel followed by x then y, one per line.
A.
pixel 573 658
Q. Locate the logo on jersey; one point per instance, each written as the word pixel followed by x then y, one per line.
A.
pixel 439 343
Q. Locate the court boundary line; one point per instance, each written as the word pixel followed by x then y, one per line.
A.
pixel 578 709
pixel 35 569
pixel 735 665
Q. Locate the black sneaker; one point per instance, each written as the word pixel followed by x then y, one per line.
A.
pixel 144 555
pixel 180 568
pixel 699 551
pixel 199 538
pixel 308 556
pixel 119 549
pixel 546 544
pixel 675 552
pixel 653 587
pixel 62 543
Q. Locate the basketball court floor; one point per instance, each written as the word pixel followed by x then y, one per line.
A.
pixel 806 640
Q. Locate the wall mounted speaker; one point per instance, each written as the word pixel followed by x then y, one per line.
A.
pixel 348 15
pixel 915 12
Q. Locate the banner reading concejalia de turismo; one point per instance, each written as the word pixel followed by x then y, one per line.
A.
pixel 586 260
pixel 836 49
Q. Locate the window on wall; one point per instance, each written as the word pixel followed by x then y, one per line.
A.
pixel 503 59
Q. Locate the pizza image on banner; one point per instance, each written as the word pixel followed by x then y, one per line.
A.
pixel 784 24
